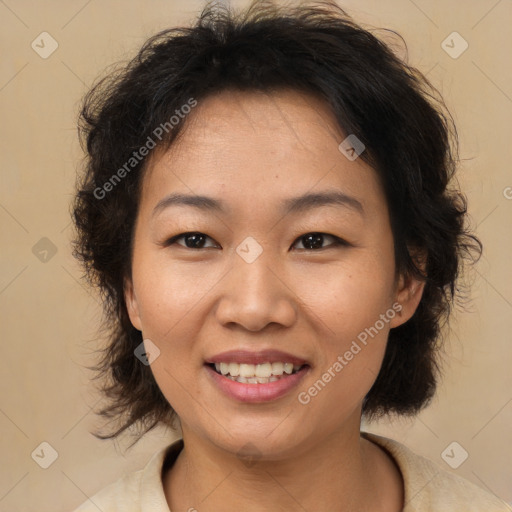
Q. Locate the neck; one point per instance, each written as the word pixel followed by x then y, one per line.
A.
pixel 341 472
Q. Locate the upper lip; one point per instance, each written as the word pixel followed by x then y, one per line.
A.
pixel 255 357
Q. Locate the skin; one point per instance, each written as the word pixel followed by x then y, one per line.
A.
pixel 252 150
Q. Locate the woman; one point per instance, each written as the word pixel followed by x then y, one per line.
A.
pixel 267 208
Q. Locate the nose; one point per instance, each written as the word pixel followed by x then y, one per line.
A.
pixel 254 295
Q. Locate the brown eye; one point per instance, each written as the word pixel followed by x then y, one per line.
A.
pixel 311 241
pixel 193 240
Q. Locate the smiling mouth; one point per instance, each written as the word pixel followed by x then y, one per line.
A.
pixel 256 373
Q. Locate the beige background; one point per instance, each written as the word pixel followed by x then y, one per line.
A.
pixel 49 319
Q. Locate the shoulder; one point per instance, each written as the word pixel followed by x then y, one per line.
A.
pixel 429 487
pixel 122 495
pixel 139 491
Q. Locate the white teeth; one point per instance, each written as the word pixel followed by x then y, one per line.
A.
pixel 254 373
pixel 277 368
pixel 264 370
pixel 247 370
pixel 234 369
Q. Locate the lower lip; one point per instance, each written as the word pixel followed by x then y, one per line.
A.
pixel 257 392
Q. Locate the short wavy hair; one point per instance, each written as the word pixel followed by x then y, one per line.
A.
pixel 410 141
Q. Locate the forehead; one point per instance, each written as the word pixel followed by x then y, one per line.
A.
pixel 278 124
pixel 259 146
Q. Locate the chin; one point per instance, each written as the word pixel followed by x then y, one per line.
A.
pixel 274 439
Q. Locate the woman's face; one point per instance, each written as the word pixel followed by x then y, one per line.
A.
pixel 267 270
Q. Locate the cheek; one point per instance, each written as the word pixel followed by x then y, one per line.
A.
pixel 170 297
pixel 170 292
pixel 350 296
pixel 353 306
pixel 352 346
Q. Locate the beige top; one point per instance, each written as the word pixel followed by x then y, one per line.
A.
pixel 428 488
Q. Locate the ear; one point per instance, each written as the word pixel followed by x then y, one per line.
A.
pixel 131 304
pixel 409 292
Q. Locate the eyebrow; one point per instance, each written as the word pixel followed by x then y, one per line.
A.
pixel 291 205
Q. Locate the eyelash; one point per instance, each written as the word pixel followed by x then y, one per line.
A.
pixel 336 240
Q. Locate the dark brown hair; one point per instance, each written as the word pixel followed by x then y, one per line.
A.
pixel 390 106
